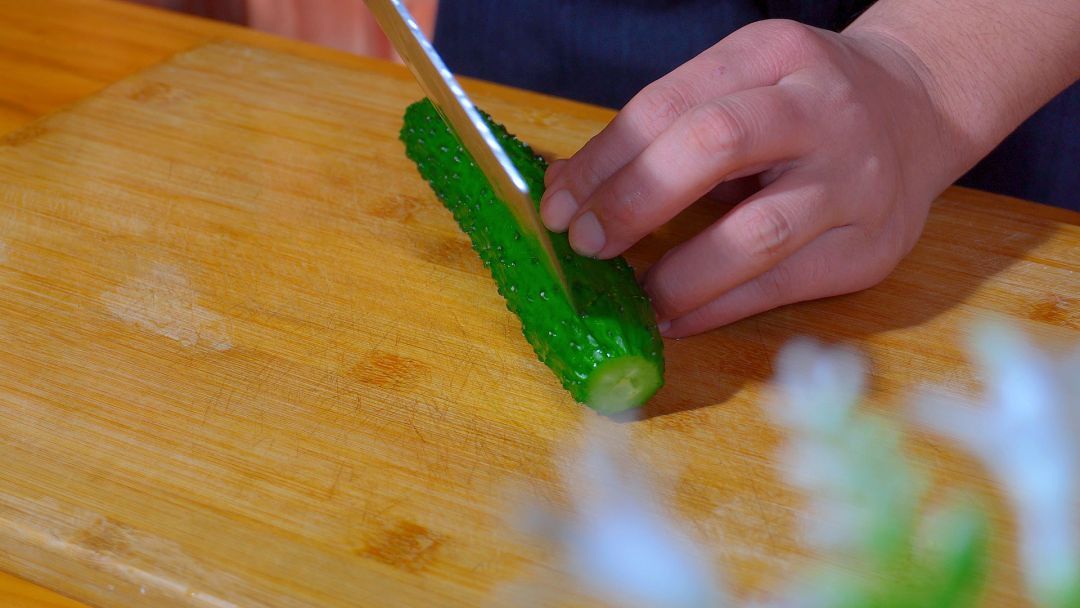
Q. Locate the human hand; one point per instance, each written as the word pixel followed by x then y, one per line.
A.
pixel 840 131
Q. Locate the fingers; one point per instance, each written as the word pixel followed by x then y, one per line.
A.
pixel 734 64
pixel 740 134
pixel 733 191
pixel 834 264
pixel 553 171
pixel 644 117
pixel 750 240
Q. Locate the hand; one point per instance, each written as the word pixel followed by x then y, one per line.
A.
pixel 840 132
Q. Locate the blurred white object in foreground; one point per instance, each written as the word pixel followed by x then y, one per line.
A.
pixel 864 516
pixel 862 490
pixel 622 546
pixel 1028 434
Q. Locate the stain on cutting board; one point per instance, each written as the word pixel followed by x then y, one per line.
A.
pixel 151 92
pixel 102 535
pixel 1054 309
pixel 161 300
pixel 407 545
pixel 387 370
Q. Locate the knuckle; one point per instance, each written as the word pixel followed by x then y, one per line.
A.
pixel 794 39
pixel 716 130
pixel 659 105
pixel 842 92
pixel 580 175
pixel 872 167
pixel 768 232
pixel 847 104
pixel 554 169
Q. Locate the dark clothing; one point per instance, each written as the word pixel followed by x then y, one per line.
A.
pixel 605 51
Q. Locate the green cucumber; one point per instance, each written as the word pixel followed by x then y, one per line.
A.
pixel 607 352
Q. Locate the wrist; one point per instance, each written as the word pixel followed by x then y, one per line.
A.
pixel 985 65
pixel 933 154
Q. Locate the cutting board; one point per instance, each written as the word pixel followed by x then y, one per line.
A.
pixel 247 359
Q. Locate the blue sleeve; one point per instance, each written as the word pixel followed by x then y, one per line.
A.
pixel 598 51
pixel 1040 160
pixel 605 51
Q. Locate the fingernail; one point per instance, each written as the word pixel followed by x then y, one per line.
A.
pixel 587 235
pixel 558 210
pixel 664 326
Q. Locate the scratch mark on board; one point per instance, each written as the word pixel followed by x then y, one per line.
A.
pixel 162 301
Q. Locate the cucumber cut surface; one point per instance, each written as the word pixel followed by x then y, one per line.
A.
pixel 605 349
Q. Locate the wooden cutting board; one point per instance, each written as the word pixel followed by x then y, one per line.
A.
pixel 247 359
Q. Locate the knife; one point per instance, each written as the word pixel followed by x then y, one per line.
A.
pixel 460 113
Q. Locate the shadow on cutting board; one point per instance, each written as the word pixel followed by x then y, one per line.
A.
pixel 969 238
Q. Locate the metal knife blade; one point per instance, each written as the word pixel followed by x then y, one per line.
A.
pixel 458 110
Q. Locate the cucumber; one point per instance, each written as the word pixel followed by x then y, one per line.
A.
pixel 608 352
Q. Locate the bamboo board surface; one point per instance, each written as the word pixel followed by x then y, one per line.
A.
pixel 249 359
pixel 19 593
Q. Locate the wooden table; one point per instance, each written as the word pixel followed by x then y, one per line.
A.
pixel 980 253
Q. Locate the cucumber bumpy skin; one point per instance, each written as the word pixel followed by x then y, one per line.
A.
pixel 608 353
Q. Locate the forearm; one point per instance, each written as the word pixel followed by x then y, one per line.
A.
pixel 987 64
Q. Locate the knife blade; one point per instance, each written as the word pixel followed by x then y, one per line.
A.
pixel 440 85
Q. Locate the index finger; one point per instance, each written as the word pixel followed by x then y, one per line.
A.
pixel 736 63
pixel 734 136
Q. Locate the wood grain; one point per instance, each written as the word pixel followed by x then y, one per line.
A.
pixel 18 593
pixel 249 360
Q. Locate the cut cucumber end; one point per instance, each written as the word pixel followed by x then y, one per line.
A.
pixel 622 383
